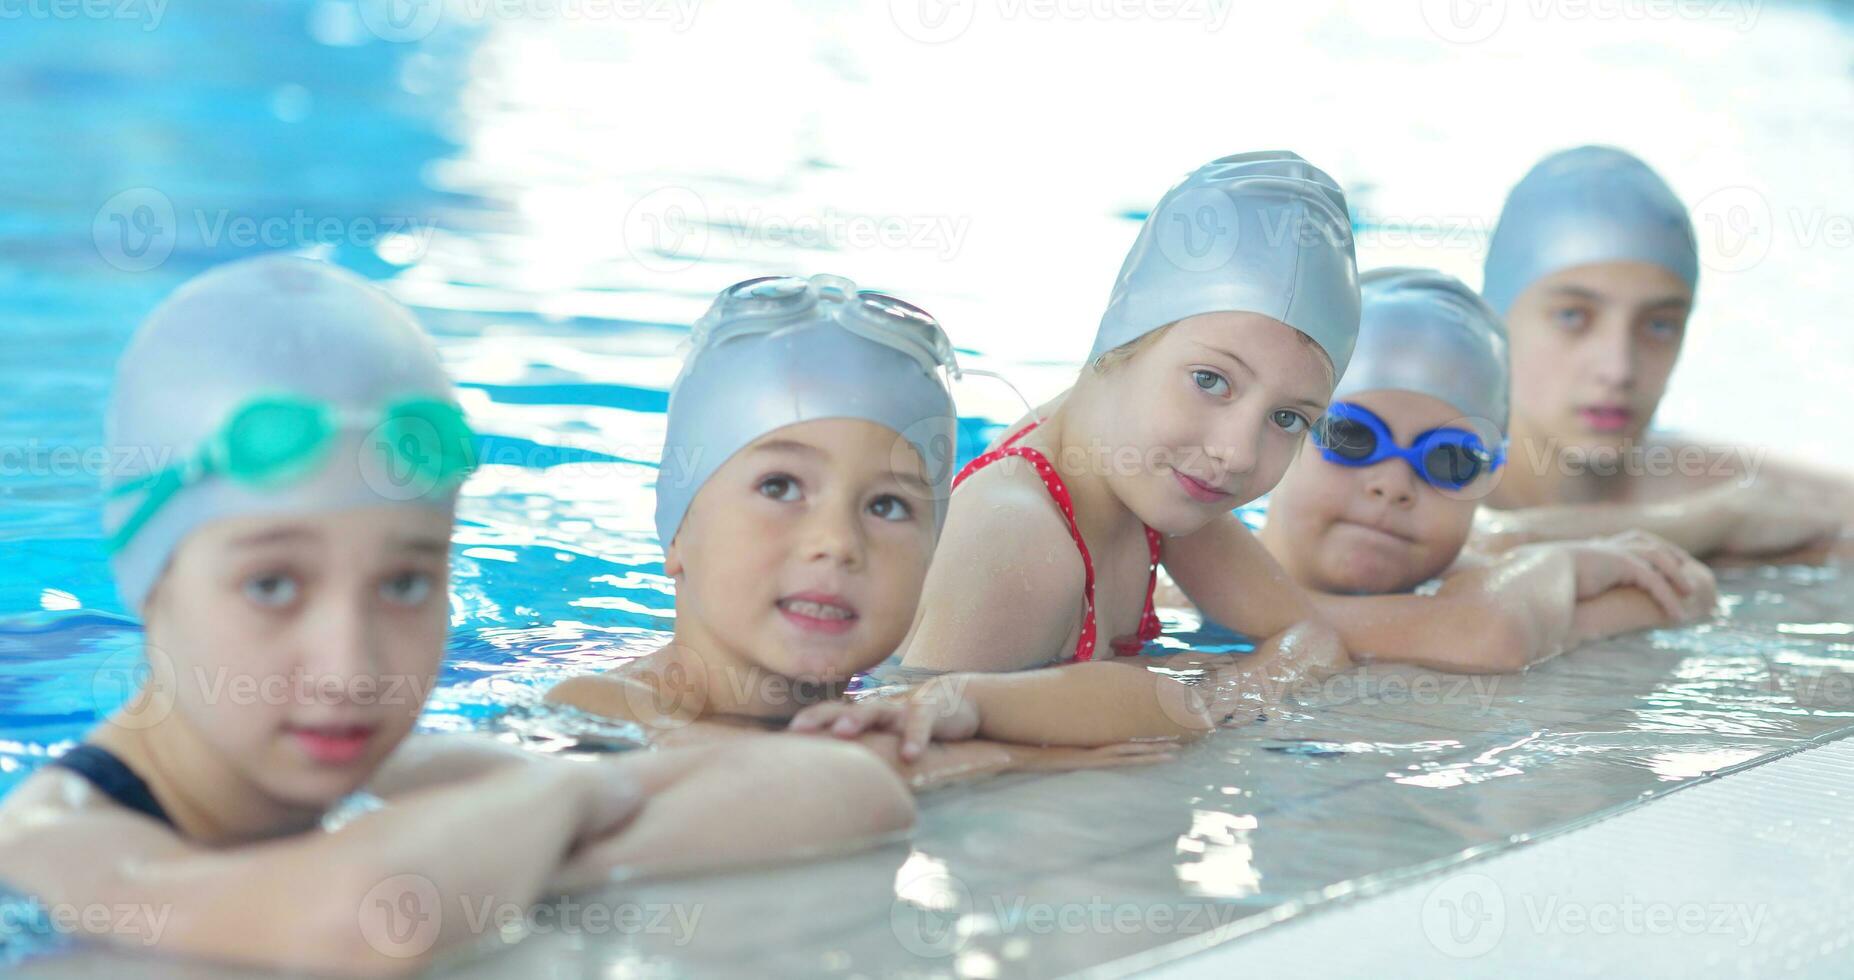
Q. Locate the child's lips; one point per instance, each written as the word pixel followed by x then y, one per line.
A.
pixel 332 745
pixel 828 614
pixel 1606 418
pixel 1198 489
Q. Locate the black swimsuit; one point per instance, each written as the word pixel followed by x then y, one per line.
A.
pixel 114 779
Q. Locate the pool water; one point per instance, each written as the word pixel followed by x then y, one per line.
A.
pixel 558 197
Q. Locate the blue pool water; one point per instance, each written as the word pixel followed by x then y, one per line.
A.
pixel 557 198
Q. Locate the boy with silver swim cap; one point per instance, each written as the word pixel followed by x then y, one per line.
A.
pixel 804 479
pixel 1595 266
pixel 1411 443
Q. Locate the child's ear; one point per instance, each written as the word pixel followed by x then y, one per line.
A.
pixel 672 558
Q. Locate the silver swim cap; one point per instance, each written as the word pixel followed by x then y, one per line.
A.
pixel 1427 332
pixel 1585 205
pixel 1261 233
pixel 782 350
pixel 266 332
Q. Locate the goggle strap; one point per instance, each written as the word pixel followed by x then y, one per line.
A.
pixel 161 487
pixel 959 372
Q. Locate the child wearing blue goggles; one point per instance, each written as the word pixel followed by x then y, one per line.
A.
pixel 1406 452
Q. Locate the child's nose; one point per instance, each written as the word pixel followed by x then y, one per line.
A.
pixel 834 535
pixel 1392 481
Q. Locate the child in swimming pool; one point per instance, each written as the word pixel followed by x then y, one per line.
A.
pixel 803 485
pixel 1594 265
pixel 1231 319
pixel 299 452
pixel 1404 455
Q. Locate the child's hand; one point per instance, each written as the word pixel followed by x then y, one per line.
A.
pixel 933 711
pixel 1675 579
pixel 1777 519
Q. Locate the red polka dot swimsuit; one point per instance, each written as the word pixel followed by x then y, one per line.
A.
pixel 1149 627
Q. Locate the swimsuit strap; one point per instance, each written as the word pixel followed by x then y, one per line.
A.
pixel 1149 626
pixel 113 778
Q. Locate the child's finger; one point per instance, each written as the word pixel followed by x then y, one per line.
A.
pixel 1671 566
pixel 854 722
pixel 1649 578
pixel 815 718
pixel 917 731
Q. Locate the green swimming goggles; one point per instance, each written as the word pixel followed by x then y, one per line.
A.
pixel 274 440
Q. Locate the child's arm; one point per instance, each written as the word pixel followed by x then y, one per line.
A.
pixel 1765 519
pixel 1233 580
pixel 1526 606
pixel 1085 705
pixel 319 902
pixel 747 801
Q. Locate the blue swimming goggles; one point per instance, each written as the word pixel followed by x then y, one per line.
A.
pixel 1447 458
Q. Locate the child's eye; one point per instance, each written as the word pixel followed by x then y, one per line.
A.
pixel 780 487
pixel 891 508
pixel 1663 328
pixel 1291 422
pixel 1209 381
pixel 272 591
pixel 407 588
pixel 1571 318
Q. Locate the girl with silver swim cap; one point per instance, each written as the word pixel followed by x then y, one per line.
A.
pixel 1413 440
pixel 805 472
pixel 1228 324
pixel 1595 266
pixel 292 452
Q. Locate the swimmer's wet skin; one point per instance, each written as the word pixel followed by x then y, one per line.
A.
pixel 1595 268
pixel 1225 330
pixel 290 548
pixel 803 485
pixel 1386 502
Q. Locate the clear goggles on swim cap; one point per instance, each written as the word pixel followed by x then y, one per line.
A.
pixel 273 440
pixel 771 303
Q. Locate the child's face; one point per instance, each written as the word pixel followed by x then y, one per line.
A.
pixel 1592 348
pixel 1371 529
pixel 303 646
pixel 805 552
pixel 1216 409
